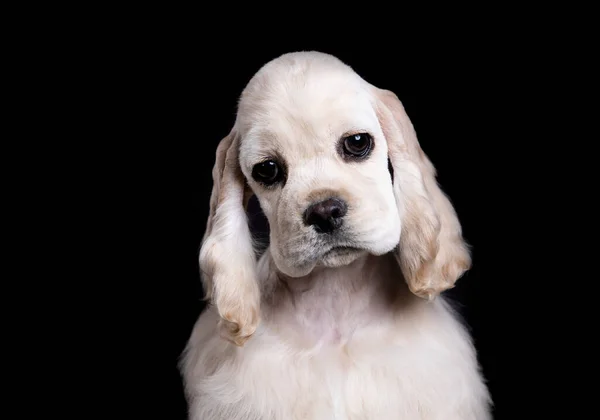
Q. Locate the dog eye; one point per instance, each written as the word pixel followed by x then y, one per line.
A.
pixel 357 145
pixel 267 172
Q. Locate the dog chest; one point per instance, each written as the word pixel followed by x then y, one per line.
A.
pixel 333 383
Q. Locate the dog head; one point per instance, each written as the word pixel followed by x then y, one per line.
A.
pixel 337 169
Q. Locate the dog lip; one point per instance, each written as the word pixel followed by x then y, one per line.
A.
pixel 342 249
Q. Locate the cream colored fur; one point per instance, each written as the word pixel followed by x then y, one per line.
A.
pixel 307 333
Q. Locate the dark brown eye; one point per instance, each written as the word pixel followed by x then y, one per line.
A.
pixel 357 145
pixel 267 172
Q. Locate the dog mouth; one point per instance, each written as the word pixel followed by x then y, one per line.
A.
pixel 341 250
pixel 340 256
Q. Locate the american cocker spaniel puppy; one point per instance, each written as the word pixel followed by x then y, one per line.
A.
pixel 341 317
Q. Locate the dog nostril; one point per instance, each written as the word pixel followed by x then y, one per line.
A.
pixel 326 216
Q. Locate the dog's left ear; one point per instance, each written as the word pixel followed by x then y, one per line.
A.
pixel 432 252
pixel 227 258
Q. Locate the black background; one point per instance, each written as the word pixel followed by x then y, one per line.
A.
pixel 181 102
pixel 118 111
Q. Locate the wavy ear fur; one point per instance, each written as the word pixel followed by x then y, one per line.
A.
pixel 227 258
pixel 432 252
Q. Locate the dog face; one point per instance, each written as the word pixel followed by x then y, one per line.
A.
pixel 313 151
pixel 338 171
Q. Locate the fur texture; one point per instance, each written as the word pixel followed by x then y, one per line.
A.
pixel 341 325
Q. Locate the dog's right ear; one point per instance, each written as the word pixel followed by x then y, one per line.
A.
pixel 432 253
pixel 227 258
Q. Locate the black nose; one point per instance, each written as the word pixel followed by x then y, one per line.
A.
pixel 326 216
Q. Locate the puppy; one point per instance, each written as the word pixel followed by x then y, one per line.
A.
pixel 341 317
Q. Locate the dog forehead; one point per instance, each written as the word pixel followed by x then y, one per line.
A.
pixel 300 108
pixel 297 82
pixel 302 124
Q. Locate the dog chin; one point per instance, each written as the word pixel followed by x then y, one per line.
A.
pixel 340 256
pixel 294 270
pixel 335 257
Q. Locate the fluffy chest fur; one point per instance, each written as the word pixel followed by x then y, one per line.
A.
pixel 341 344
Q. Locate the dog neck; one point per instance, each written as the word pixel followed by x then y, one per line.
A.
pixel 328 305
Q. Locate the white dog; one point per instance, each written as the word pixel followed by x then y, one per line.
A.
pixel 340 318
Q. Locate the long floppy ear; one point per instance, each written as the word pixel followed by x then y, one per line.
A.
pixel 227 259
pixel 432 252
